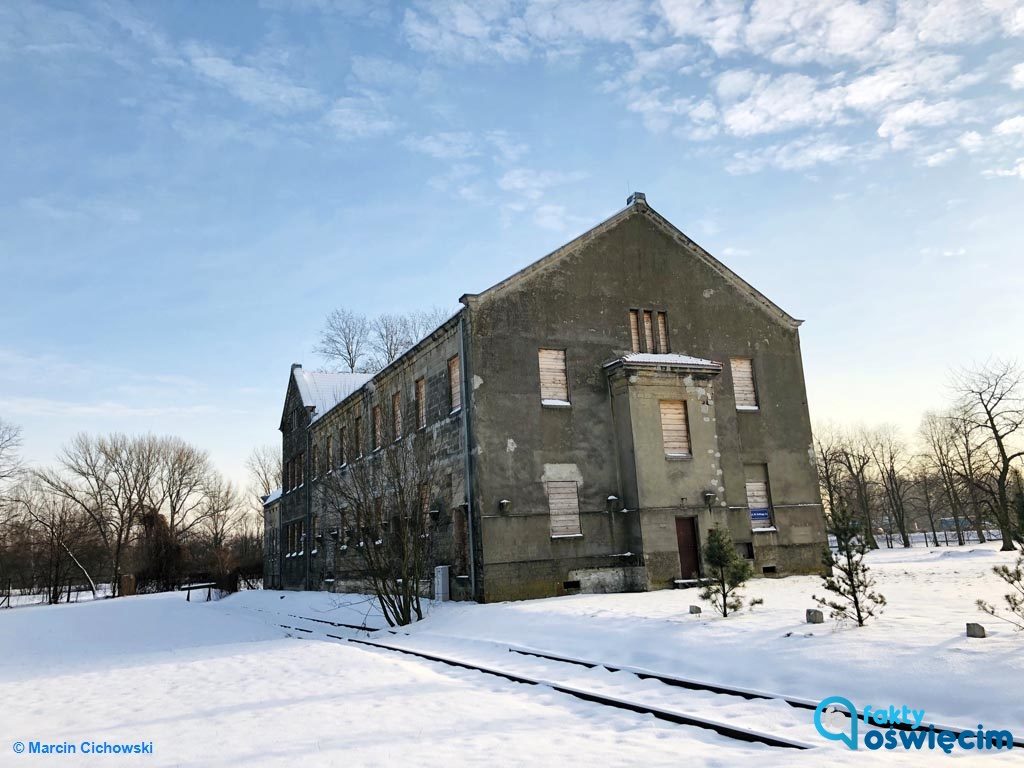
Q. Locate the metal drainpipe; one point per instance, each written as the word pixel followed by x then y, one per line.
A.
pixel 308 488
pixel 467 449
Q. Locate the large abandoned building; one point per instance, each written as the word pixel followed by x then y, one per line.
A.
pixel 600 410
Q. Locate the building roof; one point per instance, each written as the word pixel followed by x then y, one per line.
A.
pixel 653 360
pixel 322 391
pixel 637 205
pixel 271 497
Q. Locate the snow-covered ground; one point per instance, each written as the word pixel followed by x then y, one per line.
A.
pixel 224 683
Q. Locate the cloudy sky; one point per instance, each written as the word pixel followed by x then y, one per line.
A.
pixel 186 189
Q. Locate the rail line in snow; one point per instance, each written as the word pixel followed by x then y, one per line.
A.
pixel 672 716
pixel 640 673
pixel 697 685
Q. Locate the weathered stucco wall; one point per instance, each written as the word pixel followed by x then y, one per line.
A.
pixel 580 303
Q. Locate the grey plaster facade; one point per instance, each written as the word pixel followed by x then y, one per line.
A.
pixel 637 504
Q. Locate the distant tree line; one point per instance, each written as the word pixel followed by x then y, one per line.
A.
pixel 961 480
pixel 151 507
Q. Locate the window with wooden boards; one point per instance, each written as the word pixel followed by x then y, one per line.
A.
pixel 743 383
pixel 342 446
pixel 359 436
pixel 454 384
pixel 648 331
pixel 759 503
pixel 675 429
pixel 564 507
pixel 421 404
pixel 554 383
pixel 396 415
pixel 378 428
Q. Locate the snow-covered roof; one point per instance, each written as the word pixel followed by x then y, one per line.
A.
pixel 322 391
pixel 271 497
pixel 653 359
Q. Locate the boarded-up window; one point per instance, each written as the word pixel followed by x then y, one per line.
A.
pixel 454 384
pixel 759 503
pixel 634 329
pixel 564 505
pixel 359 436
pixel 648 331
pixel 315 454
pixel 378 428
pixel 675 432
pixel 396 415
pixel 424 504
pixel 743 383
pixel 662 333
pixel 554 386
pixel 421 404
pixel 342 447
pixel 329 458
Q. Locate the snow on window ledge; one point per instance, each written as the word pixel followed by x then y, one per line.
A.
pixel 567 536
pixel 455 410
pixel 678 456
pixel 550 403
pixel 769 529
pixel 748 408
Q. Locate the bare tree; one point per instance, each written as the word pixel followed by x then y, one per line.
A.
pixel 384 499
pixel 352 342
pixel 180 488
pixel 938 438
pixel 10 444
pixel 110 479
pixel 56 528
pixel 827 449
pixel 389 338
pixel 993 405
pixel 265 469
pixel 855 456
pixel 892 463
pixel 345 339
pixel 423 321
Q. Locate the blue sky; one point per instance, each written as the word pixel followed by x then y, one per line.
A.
pixel 186 189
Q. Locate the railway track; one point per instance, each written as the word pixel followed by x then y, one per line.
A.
pixel 672 716
pixel 603 698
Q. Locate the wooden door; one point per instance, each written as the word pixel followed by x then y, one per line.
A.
pixel 686 537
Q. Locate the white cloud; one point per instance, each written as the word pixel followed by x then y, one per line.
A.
pixel 941 157
pixel 897 123
pixel 970 141
pixel 532 184
pixel 798 32
pixel 797 155
pixel 260 87
pixel 718 23
pixel 464 30
pixel 1013 126
pixel 509 149
pixel 902 80
pixel 443 146
pixel 359 117
pixel 788 101
pixel 1017 170
pixel 613 21
pixel 1016 79
pixel 551 216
